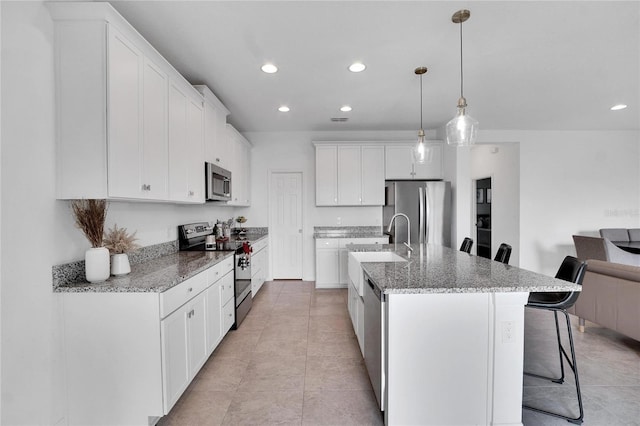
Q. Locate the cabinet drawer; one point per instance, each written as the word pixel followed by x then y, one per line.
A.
pixel 345 241
pixel 218 270
pixel 327 243
pixel 177 296
pixel 228 316
pixel 227 288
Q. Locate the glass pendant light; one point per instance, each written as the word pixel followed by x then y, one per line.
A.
pixel 462 130
pixel 419 150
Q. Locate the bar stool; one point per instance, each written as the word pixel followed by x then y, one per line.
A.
pixel 571 270
pixel 467 243
pixel 503 254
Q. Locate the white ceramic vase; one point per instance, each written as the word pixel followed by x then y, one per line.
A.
pixel 96 264
pixel 120 264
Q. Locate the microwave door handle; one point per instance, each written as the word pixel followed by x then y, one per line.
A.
pixel 226 189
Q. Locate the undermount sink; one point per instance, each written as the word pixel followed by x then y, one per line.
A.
pixel 357 257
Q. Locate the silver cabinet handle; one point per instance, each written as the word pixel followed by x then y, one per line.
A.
pixel 190 289
pixel 191 193
pixel 146 187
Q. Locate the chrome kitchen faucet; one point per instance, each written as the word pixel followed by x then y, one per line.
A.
pixel 408 225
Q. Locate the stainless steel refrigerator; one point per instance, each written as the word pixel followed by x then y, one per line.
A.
pixel 428 206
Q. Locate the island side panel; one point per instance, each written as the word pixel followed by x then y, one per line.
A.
pixel 438 358
pixel 507 358
pixel 112 357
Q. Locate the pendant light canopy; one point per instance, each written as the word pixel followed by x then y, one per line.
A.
pixel 462 130
pixel 419 151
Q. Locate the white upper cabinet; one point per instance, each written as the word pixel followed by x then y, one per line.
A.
pixel 399 162
pixel 326 175
pixel 155 142
pixel 215 119
pixel 186 149
pixel 114 118
pixel 373 175
pixel 240 167
pixel 125 102
pixel 349 175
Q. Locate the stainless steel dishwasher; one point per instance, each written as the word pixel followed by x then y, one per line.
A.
pixel 374 343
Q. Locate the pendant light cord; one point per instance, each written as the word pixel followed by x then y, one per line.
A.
pixel 421 101
pixel 461 72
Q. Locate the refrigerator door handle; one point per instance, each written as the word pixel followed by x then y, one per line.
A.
pixel 421 215
pixel 427 213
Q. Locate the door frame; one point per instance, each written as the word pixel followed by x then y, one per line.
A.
pixel 272 172
pixel 474 212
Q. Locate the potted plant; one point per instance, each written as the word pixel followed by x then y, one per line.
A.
pixel 90 216
pixel 120 242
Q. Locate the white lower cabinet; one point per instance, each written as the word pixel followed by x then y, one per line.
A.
pixel 332 261
pixel 259 265
pixel 130 356
pixel 175 363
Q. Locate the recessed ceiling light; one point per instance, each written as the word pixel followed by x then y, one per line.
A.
pixel 345 108
pixel 284 108
pixel 357 67
pixel 618 107
pixel 269 68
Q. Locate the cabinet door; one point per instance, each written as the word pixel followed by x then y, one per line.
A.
pixel 155 148
pixel 432 166
pixel 373 175
pixel 240 168
pixel 327 268
pixel 195 151
pixel 197 329
pixel 349 176
pixel 398 162
pixel 214 316
pixel 175 361
pixel 125 65
pixel 221 155
pixel 178 152
pixel 326 175
pixel 210 134
pixel 344 266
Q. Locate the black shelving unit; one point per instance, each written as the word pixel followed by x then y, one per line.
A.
pixel 483 217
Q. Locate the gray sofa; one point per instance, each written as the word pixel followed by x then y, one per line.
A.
pixel 620 234
pixel 603 249
pixel 610 297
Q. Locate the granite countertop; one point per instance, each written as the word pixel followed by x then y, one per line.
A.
pixel 348 232
pixel 437 269
pixel 154 276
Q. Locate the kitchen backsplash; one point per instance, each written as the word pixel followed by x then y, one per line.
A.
pixel 73 272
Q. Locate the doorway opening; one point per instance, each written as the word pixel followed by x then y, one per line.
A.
pixel 483 217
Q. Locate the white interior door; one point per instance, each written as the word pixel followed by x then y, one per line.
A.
pixel 285 233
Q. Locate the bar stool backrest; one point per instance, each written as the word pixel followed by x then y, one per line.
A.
pixel 503 254
pixel 467 243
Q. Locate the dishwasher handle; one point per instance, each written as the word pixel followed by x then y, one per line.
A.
pixel 376 291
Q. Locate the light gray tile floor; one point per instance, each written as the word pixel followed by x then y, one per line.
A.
pixel 608 369
pixel 295 360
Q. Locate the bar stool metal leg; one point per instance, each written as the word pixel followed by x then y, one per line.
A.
pixel 572 363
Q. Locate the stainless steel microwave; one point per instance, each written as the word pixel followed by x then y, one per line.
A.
pixel 218 183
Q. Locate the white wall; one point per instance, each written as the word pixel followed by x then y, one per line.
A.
pixel 37 230
pixel 572 182
pixel 294 151
pixel 501 162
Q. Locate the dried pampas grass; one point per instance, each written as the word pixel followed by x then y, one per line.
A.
pixel 90 216
pixel 118 241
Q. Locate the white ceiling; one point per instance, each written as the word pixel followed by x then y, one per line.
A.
pixel 539 65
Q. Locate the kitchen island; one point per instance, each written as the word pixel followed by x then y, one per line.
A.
pixel 450 338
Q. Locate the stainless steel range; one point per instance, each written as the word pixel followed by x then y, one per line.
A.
pixel 200 237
